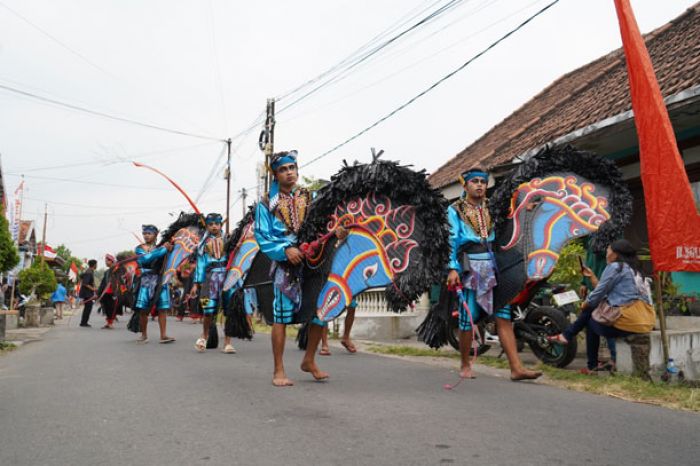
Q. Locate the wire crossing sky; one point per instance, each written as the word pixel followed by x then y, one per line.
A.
pixel 87 87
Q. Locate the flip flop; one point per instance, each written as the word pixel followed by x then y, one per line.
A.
pixel 167 340
pixel 350 347
pixel 228 349
pixel 324 352
pixel 558 338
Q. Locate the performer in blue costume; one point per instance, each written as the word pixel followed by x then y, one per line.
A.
pixel 472 263
pixel 278 218
pixel 209 275
pixel 150 260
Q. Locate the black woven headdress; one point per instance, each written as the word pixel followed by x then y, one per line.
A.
pixel 586 164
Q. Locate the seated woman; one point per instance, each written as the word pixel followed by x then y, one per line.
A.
pixel 621 285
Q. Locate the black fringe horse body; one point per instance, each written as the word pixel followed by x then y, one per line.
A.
pixel 384 200
pixel 593 199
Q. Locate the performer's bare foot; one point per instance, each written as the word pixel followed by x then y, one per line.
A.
pixel 466 372
pixel 281 380
pixel 524 374
pixel 348 345
pixel 313 369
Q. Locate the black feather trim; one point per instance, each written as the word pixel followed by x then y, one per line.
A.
pixel 183 221
pixel 213 340
pixel 134 325
pixel 586 164
pixel 236 320
pixel 303 336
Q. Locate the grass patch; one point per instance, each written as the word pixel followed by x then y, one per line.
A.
pixel 262 327
pixel 6 346
pixel 626 387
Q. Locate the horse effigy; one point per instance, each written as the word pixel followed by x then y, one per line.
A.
pixel 505 247
pixel 374 225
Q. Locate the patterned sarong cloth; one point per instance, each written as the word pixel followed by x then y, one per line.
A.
pixel 287 279
pixel 482 280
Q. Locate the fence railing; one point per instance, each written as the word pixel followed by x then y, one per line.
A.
pixel 373 303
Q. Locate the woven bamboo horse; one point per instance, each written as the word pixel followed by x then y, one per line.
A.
pixel 556 196
pixel 398 239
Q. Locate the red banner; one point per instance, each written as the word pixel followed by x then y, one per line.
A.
pixel 672 217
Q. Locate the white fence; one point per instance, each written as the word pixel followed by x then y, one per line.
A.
pixel 373 303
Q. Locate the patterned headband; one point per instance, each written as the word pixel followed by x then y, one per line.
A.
pixel 466 176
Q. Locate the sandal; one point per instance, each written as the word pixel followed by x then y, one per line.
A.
pixel 229 349
pixel 201 345
pixel 587 371
pixel 166 340
pixel 558 338
pixel 324 352
pixel 349 346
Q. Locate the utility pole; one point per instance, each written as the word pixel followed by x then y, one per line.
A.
pixel 267 139
pixel 228 186
pixel 244 194
pixel 43 234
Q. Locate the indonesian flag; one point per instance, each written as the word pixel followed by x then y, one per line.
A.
pixel 73 272
pixel 49 253
pixel 673 222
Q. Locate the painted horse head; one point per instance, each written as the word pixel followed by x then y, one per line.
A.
pixel 556 196
pixel 397 237
pixel 185 234
pixel 241 257
pixel 377 248
pixel 549 212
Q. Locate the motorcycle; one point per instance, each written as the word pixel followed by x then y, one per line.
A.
pixel 538 314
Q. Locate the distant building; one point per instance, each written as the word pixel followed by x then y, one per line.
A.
pixel 590 108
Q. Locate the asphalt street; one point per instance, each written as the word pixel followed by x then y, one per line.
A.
pixel 95 397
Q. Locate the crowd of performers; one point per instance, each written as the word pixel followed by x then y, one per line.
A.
pixel 463 261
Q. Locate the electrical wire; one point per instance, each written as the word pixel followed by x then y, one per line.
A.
pixel 86 59
pixel 98 183
pixel 410 66
pixel 432 86
pixel 374 51
pixel 79 108
pixel 407 18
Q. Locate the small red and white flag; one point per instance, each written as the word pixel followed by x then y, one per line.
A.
pixel 49 253
pixel 73 272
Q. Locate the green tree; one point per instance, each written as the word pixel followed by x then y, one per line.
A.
pixel 37 280
pixel 8 252
pixel 312 183
pixel 568 269
pixel 68 257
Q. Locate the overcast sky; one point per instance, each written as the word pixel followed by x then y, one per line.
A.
pixel 206 67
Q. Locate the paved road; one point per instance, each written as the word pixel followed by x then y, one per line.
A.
pixel 94 397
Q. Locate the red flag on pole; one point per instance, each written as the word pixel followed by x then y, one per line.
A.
pixel 673 222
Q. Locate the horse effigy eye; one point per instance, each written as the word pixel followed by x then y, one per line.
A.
pixel 369 271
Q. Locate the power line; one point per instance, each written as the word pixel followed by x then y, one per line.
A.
pixel 68 180
pixel 82 56
pixel 412 65
pixel 105 115
pixel 101 207
pixel 344 72
pixel 411 15
pixel 124 159
pixel 433 86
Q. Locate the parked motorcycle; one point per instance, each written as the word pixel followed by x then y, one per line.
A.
pixel 541 313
